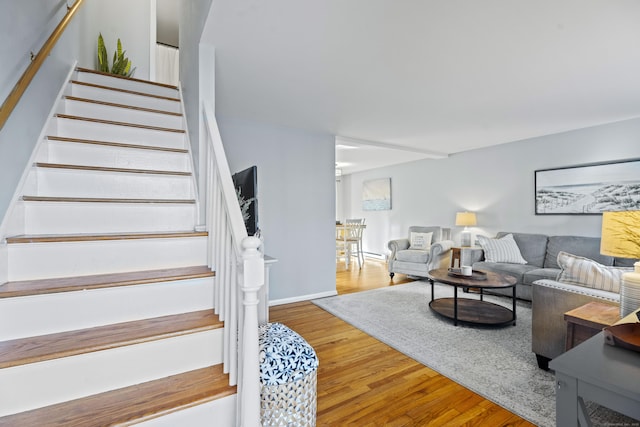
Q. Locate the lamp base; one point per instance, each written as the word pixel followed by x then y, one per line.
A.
pixel 630 293
pixel 465 238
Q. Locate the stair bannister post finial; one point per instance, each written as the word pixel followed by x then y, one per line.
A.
pixel 253 273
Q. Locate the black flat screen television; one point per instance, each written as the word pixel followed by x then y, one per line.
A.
pixel 246 184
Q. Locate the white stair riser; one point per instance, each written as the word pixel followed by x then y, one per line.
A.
pixel 124 134
pixel 223 411
pixel 80 183
pixel 117 97
pixel 126 84
pixel 67 311
pixel 76 218
pixel 28 261
pixel 115 157
pixel 119 114
pixel 45 383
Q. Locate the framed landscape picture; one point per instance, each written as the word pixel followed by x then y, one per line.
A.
pixel 588 189
pixel 376 195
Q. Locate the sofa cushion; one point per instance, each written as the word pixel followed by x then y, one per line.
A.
pixel 540 274
pixel 533 247
pixel 587 247
pixel 420 241
pixel 515 270
pixel 413 255
pixel 624 262
pixel 503 249
pixel 577 270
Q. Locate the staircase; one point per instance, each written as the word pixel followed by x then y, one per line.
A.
pixel 107 317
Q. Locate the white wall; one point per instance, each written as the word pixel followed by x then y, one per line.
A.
pixel 296 203
pixel 24 27
pixel 193 17
pixel 496 182
pixel 136 32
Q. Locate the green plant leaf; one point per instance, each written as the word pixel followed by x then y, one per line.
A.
pixel 120 65
pixel 103 61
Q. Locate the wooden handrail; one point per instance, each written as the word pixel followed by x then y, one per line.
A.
pixel 37 61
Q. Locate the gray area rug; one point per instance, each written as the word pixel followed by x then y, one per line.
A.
pixel 496 363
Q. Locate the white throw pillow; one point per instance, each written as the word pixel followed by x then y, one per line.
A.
pixel 504 249
pixel 420 241
pixel 577 270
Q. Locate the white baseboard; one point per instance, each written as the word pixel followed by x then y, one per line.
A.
pixel 302 298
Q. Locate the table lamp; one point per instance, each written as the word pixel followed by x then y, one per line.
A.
pixel 465 219
pixel 621 238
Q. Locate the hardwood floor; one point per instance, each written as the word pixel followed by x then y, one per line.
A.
pixel 363 382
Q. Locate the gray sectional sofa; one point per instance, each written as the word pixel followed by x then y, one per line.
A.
pixel 551 298
pixel 541 253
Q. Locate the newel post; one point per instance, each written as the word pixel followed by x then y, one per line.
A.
pixel 253 269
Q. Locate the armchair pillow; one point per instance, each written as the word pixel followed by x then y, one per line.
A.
pixel 420 241
pixel 577 270
pixel 504 249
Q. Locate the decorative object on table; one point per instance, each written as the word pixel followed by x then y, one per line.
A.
pixel 121 65
pixel 621 238
pixel 625 335
pixel 376 195
pixel 588 189
pixel 466 220
pixel 473 275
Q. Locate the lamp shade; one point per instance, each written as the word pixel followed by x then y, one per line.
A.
pixel 621 234
pixel 465 219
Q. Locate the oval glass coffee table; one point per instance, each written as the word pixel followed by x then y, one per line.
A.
pixel 474 311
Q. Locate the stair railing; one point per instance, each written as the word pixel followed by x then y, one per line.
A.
pixel 239 267
pixel 36 62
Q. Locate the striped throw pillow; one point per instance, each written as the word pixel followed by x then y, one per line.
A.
pixel 577 270
pixel 504 249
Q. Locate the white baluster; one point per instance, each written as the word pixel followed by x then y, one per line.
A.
pixel 253 269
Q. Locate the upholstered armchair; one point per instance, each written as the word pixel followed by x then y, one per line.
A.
pixel 425 248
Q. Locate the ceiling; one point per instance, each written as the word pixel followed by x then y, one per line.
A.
pixel 410 79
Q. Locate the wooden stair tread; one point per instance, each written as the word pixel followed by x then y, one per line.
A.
pixel 115 144
pixel 113 104
pixel 116 123
pixel 132 92
pixel 69 284
pixel 131 404
pixel 46 238
pixel 64 344
pixel 87 70
pixel 103 200
pixel 109 169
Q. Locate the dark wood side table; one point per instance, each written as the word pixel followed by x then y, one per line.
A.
pixel 586 321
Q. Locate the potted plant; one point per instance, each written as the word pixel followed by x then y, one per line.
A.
pixel 121 65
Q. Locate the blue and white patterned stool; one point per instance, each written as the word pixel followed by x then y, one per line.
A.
pixel 288 377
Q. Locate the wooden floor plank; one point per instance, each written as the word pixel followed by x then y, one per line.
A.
pixel 104 200
pixel 116 144
pixel 117 123
pixel 132 92
pixel 68 284
pixel 124 106
pixel 364 382
pixel 109 169
pixel 116 76
pixel 133 404
pixel 64 344
pixel 45 238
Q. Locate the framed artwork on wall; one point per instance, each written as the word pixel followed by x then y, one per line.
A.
pixel 588 189
pixel 376 195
